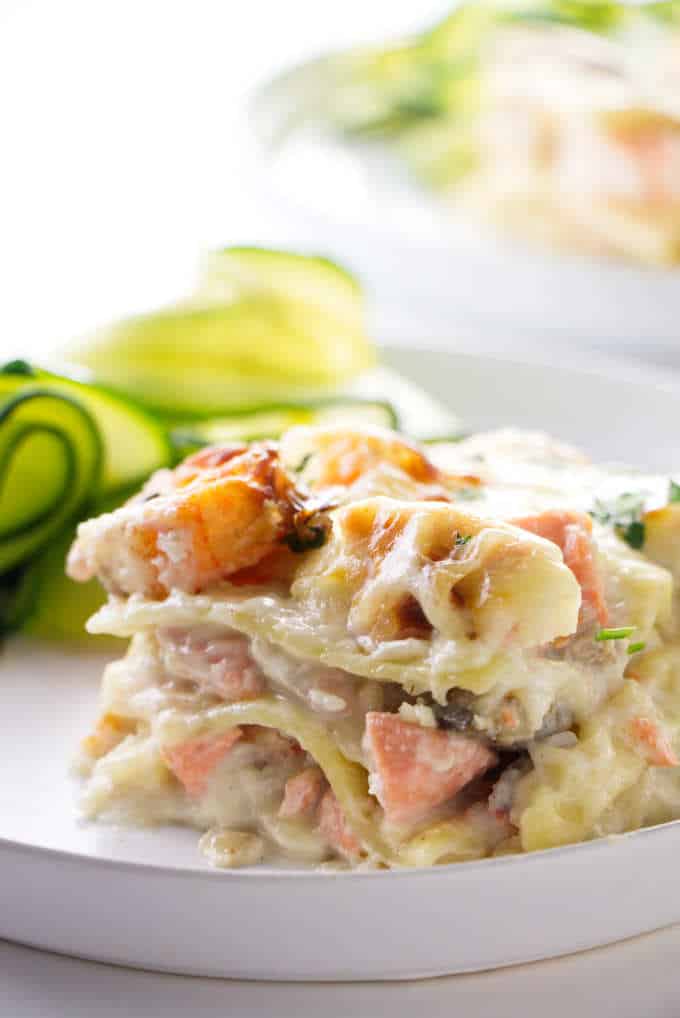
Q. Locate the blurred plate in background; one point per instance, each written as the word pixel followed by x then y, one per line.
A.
pixel 360 205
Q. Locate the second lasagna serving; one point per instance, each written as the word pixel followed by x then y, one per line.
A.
pixel 348 648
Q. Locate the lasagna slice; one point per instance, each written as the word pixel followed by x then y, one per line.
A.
pixel 344 649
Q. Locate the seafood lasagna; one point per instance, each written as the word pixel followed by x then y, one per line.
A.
pixel 352 650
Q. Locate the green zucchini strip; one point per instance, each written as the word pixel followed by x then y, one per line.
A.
pixel 270 421
pixel 262 327
pixel 134 442
pixel 41 599
pixel 50 462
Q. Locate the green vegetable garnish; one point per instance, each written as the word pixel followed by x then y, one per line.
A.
pixel 624 514
pixel 306 538
pixel 460 540
pixel 63 445
pixel 633 648
pixel 633 534
pixel 673 492
pixel 468 494
pixel 17 591
pixel 615 634
pixel 134 443
pixel 50 461
pixel 18 367
pixel 270 421
pixel 263 327
pixel 303 463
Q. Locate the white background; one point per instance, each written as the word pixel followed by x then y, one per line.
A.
pixel 121 152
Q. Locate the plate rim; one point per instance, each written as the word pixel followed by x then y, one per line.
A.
pixel 607 366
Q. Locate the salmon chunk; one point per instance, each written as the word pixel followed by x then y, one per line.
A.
pixel 571 531
pixel 651 742
pixel 218 663
pixel 302 793
pixel 193 762
pixel 416 769
pixel 334 827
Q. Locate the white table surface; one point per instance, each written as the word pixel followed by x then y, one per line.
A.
pixel 636 979
pixel 120 165
pixel 125 154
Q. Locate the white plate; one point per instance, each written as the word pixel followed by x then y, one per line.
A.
pixel 360 205
pixel 144 897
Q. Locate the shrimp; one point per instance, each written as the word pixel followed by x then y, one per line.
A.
pixel 221 511
pixel 375 460
pixel 235 512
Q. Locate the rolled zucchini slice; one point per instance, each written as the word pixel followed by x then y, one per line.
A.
pixel 65 449
pixel 263 327
pixel 39 597
pixel 134 443
pixel 50 462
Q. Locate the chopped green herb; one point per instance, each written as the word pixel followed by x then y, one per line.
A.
pixel 468 494
pixel 633 534
pixel 673 492
pixel 623 509
pixel 307 540
pixel 303 463
pixel 442 438
pixel 460 540
pixel 18 367
pixel 310 530
pixel 633 648
pixel 624 515
pixel 615 634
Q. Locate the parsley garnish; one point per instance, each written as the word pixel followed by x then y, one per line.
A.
pixel 633 534
pixel 673 492
pixel 624 515
pixel 18 367
pixel 614 634
pixel 460 540
pixel 307 540
pixel 633 648
pixel 309 531
pixel 468 494
pixel 302 464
